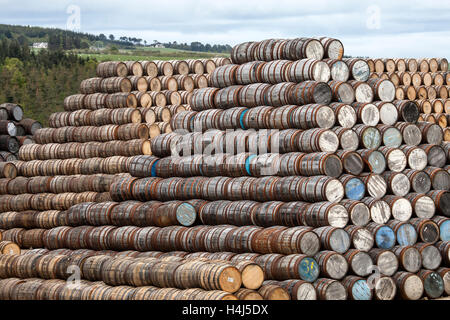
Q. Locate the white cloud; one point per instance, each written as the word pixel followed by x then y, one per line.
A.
pixel 407 28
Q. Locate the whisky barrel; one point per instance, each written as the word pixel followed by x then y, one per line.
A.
pixel 388 112
pixel 352 162
pixel 358 212
pixel 8 143
pixel 224 76
pixel 332 265
pixel 349 140
pixel 303 70
pixel 445 274
pixel 271 72
pixel 405 232
pixel 115 84
pixel 254 95
pixel 417 158
pixel 333 239
pixel 423 205
pixel 247 294
pixel 354 188
pixel 138 83
pixel 90 86
pixel 227 97
pixel 73 102
pixel 329 289
pixel 397 183
pixel 363 91
pixel 384 235
pixel 339 70
pixel 158 98
pixel 134 68
pixel 385 260
pixel 384 89
pixel 342 91
pixel 273 292
pixel 120 100
pixel 8 170
pixel 301 48
pixel 361 238
pixel 317 140
pixel 433 283
pixel 334 49
pixel 367 113
pixel 408 110
pixel 376 186
pixel 431 133
pixel 380 211
pixel 427 229
pixel 165 68
pixel 392 137
pixel 180 67
pixel 444 224
pixel 409 258
pixel 8 128
pixel 112 69
pixel 203 99
pixel 298 289
pixel 359 69
pixel 345 114
pixel 357 288
pixel 310 92
pixel 375 161
pixel 436 155
pixel 431 257
pixel 9 248
pixel 440 179
pixel 395 158
pixel 150 68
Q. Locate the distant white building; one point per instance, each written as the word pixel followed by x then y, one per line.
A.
pixel 40 45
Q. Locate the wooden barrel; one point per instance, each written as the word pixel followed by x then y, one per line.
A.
pixel 384 235
pixel 112 69
pixel 270 72
pixel 444 225
pixel 8 143
pixel 395 158
pixel 436 155
pixel 333 239
pixel 359 69
pixel 224 76
pixel 150 68
pixel 431 257
pixel 352 162
pixel 253 95
pixel 375 161
pixel 433 283
pixel 227 97
pixel 423 205
pixel 334 49
pixel 392 137
pixel 298 289
pixel 357 288
pixel 363 91
pixel 345 114
pixel 367 113
pixel 440 179
pixel 302 70
pixel 247 294
pixel 376 186
pixel 165 68
pixel 158 98
pixel 273 292
pixel 384 89
pixel 329 289
pixel 135 68
pixel 8 128
pixel 354 188
pixel 408 110
pixel 359 213
pixel 339 70
pixel 301 48
pixel 8 170
pixel 332 265
pixel 388 113
pixel 115 84
pixel 9 248
pixel 385 260
pixel 361 238
pixel 409 258
pixel 445 274
pixel 427 229
pixel 310 92
pixel 138 83
pixel 203 99
pixel 431 133
pixel 342 91
pixel 317 140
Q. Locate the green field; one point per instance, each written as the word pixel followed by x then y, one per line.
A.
pixel 149 54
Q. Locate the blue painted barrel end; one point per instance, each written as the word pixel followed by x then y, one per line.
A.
pixel 385 238
pixel 406 235
pixel 361 291
pixel 309 269
pixel 355 189
pixel 445 230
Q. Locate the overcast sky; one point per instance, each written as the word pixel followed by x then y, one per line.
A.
pixel 385 28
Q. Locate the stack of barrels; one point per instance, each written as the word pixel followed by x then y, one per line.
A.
pixel 425 81
pixel 292 175
pixel 15 131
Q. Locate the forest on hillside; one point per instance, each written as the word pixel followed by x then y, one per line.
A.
pixel 40 81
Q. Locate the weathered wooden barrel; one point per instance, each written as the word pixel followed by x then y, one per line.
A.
pixel 317 140
pixel 138 83
pixel 112 69
pixel 352 162
pixel 73 102
pixel 357 288
pixel 374 161
pixel 431 133
pixel 384 89
pixel 370 137
pixel 444 227
pixel 10 144
pixel 361 238
pixel 342 91
pixel 150 68
pixel 298 289
pixel 115 84
pixel 358 212
pixel 224 76
pixel 405 232
pixel 302 70
pixel 376 186
pixel 159 99
pixel 367 113
pixel 165 68
pixel 427 229
pixel 392 137
pixel 409 258
pixel 227 97
pixel 247 294
pixel 8 128
pixel 423 205
pixel 333 239
pixel 433 283
pixel 440 178
pixel 310 92
pixel 8 170
pixel 9 248
pixel 384 235
pixel 273 292
pixel 445 274
pixel 203 99
pixel 271 72
pixel 334 49
pixel 385 260
pixel 345 114
pixel 332 265
pixel 329 289
pixel 354 188
pixel 431 257
pixel 436 155
pixel 388 112
pixel 363 91
pixel 180 67
pixel 395 158
pixel 134 68
pixel 339 70
pixel 359 69
pixel 408 110
pixel 380 211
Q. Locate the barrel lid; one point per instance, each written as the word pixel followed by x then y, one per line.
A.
pixel 410 112
pixel 349 141
pixel 361 70
pixel 412 135
pixel 361 290
pixel 417 159
pixel 444 229
pixel 346 116
pixel 370 115
pixel 377 162
pixel 371 138
pixel 308 269
pixel 186 214
pixel 322 93
pixel 321 72
pixel 314 50
pixel 385 289
pixel 385 238
pixel 310 243
pixel 387 263
pixel 392 138
pixel 339 241
pixel 364 93
pixel 425 207
pixel 386 91
pixel 325 117
pixel 306 291
pixel 340 71
pixel 355 189
pixel 441 180
pixel 434 134
pixel 328 141
pixel 338 216
pixel 406 235
pixel 363 240
pixel 413 287
pixel 433 285
pixel 388 114
pixel 376 186
pixel 402 209
pixel 333 166
pixel 336 291
pixel 444 203
pixel 336 266
pixel 396 160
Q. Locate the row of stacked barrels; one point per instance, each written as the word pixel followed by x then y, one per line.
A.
pixel 15 131
pixel 425 81
pixel 282 209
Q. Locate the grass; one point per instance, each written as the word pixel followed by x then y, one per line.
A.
pixel 150 54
